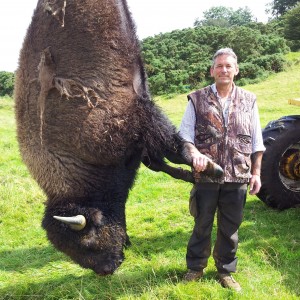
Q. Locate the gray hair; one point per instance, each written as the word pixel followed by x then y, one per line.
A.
pixel 224 51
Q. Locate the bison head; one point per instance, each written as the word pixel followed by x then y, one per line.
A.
pixel 92 236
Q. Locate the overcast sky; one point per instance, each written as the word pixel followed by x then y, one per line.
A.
pixel 151 17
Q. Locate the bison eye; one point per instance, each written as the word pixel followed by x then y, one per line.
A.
pixel 97 218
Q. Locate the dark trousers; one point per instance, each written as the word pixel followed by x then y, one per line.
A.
pixel 228 200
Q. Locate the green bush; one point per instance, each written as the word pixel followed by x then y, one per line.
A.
pixel 248 70
pixel 6 83
pixel 273 62
pixel 157 83
pixel 272 43
pixel 294 45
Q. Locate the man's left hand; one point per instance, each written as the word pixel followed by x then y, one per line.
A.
pixel 255 184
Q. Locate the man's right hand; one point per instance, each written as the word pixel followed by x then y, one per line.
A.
pixel 199 160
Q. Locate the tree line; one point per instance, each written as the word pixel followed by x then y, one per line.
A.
pixel 180 60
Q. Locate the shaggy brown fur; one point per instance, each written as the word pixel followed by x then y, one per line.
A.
pixel 85 121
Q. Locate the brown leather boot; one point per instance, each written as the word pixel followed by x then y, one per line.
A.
pixel 227 281
pixel 193 275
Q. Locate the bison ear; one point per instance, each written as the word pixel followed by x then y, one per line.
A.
pixel 76 223
pixel 139 82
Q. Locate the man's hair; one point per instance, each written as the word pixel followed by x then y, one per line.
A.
pixel 224 51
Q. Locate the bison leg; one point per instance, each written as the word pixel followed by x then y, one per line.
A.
pixel 177 173
pixel 158 164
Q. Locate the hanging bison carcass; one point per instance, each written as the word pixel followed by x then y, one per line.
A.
pixel 85 121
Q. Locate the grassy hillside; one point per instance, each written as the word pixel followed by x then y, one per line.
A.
pixel 159 225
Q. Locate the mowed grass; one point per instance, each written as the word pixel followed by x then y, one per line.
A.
pixel 159 226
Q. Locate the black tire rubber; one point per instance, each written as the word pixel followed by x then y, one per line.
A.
pixel 278 137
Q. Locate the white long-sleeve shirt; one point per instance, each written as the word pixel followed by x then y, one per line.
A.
pixel 187 126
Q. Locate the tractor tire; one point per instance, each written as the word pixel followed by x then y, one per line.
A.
pixel 280 173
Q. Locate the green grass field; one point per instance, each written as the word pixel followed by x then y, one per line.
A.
pixel 159 226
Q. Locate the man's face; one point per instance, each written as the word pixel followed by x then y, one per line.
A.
pixel 224 70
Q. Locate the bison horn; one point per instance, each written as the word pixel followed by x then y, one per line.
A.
pixel 76 223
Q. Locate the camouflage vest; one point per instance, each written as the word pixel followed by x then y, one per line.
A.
pixel 230 146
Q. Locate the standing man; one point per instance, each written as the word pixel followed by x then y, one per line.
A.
pixel 221 123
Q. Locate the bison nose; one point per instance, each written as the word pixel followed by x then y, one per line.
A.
pixel 104 270
pixel 107 269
